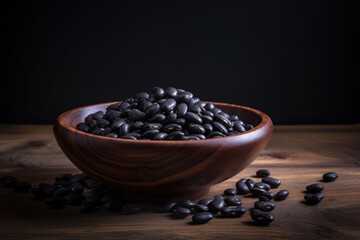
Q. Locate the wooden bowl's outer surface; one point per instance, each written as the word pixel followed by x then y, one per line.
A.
pixel 165 169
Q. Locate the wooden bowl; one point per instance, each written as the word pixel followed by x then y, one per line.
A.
pixel 162 170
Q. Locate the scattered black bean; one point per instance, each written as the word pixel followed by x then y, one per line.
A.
pixel 180 212
pixel 185 204
pixel 230 192
pixel 201 208
pixel 262 185
pixel 273 182
pixel 281 195
pixel 330 177
pixel 264 205
pixel 205 201
pixel 260 217
pixel 233 201
pixel 216 205
pixel 314 188
pixel 250 183
pixel 313 199
pixel 233 211
pixel 262 173
pixel 242 188
pixel 202 217
pixel 257 192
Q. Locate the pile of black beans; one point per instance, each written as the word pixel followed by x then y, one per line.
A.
pixel 163 114
pixel 68 190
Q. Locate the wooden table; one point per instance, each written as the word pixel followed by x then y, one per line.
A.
pixel 297 155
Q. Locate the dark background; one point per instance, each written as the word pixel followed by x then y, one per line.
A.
pixel 298 61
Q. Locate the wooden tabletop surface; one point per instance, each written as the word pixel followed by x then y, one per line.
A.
pixel 297 155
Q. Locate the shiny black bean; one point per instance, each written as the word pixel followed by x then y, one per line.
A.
pixel 87 206
pixel 124 129
pixel 264 206
pixel 263 198
pixel 208 128
pixel 189 138
pixel 98 115
pixel 198 135
pixel 205 201
pixel 208 113
pixel 131 208
pixel 260 217
pixel 153 109
pixel 202 105
pixel 184 96
pixel 167 207
pixel 223 120
pixel 113 106
pixel 233 201
pixel 194 108
pixel 180 90
pixel 134 105
pixel 175 135
pixel 160 136
pixel 216 134
pixel 230 192
pixel 233 211
pixel 234 118
pixel 123 106
pixel 180 212
pixel 262 173
pixel 281 195
pixel 171 92
pixel 111 134
pixel 193 118
pixel 257 191
pixel 171 118
pixel 83 127
pixel 136 115
pixel 202 217
pixel 9 181
pixel 61 192
pixel 55 202
pixel 217 204
pixel 238 127
pixel 249 126
pixel 196 128
pixel 73 199
pixel 201 208
pixel 168 105
pixel 219 127
pixel 102 123
pixel 242 188
pixel 153 126
pixel 22 187
pixel 158 92
pixel 225 115
pixel 206 119
pixel 113 115
pixel 157 118
pixel 77 187
pixel 181 109
pixel 273 182
pixel 161 101
pixel 145 105
pixel 185 204
pixel 215 110
pixel 38 193
pixel 180 121
pixel 141 96
pixel 209 106
pixel 269 195
pixel 116 124
pixel 128 137
pixel 150 133
pixel 172 127
pixel 138 124
pixel 250 183
pixel 262 185
pixel 313 199
pixel 330 177
pixel 314 188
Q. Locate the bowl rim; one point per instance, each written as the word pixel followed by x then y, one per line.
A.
pixel 265 120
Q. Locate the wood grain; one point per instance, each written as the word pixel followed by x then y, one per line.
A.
pixel 298 155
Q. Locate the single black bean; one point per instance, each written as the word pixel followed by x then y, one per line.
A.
pixel 113 115
pixel 208 113
pixel 330 177
pixel 55 202
pixel 185 204
pixel 113 106
pixel 201 208
pixel 269 195
pixel 249 126
pixel 209 106
pixel 234 118
pixel 150 133
pixel 262 173
pixel 198 135
pixel 202 217
pixel 215 110
pixel 160 136
pixel 157 118
pixel 73 199
pixel 208 128
pixel 158 92
pixel 134 134
pixel 9 181
pixel 171 118
pixel 242 188
pixel 128 137
pixel 161 101
pixel 314 188
pixel 98 115
pixel 184 97
pixel 171 92
pixel 153 126
pixel 172 128
pixel 134 105
pixel 264 206
pixel 193 118
pixel 263 198
pixel 206 119
pixel 111 134
pixel 239 127
pixel 136 115
pixel 230 192
pixel 102 123
pixel 77 187
pixel 181 109
pixel 217 204
pixel 250 183
pixel 167 207
pixel 260 217
pixel 216 134
pixel 153 109
pixel 116 124
pixel 233 211
pixel 87 206
pixel 38 193
pixel 273 182
pixel 180 121
pixel 313 199
pixel 233 201
pixel 257 192
pixel 218 126
pixel 175 135
pixel 131 208
pixel 124 129
pixel 196 128
pixel 180 212
pixel 262 185
pixel 194 108
pixel 223 120
pixel 141 96
pixel 168 105
pixel 225 115
pixel 281 195
pixel 205 201
pixel 83 127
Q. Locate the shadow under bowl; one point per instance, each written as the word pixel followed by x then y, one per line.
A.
pixel 159 171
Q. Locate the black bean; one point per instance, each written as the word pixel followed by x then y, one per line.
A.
pixel 180 212
pixel 87 206
pixel 208 113
pixel 230 192
pixel 168 105
pixel 95 197
pixel 181 109
pixel 193 118
pixel 172 128
pixel 185 204
pixel 262 173
pixel 73 199
pixel 189 138
pixel 145 105
pixel 257 191
pixel 171 92
pixel 206 119
pixel 216 134
pixel 55 202
pixel 196 128
pixel 124 129
pixel 116 124
pixel 134 105
pixel 194 108
pixel 9 181
pixel 160 136
pixel 263 198
pixel 269 195
pixel 215 110
pixel 198 135
pixel 158 92
pixel 260 217
pixel 153 126
pixel 205 201
pixel 171 118
pixel 141 96
pixel 98 115
pixel 264 206
pixel 262 185
pixel 217 204
pixel 184 96
pixel 77 187
pixel 128 137
pixel 113 115
pixel 202 217
pixel 167 207
pixel 249 126
pixel 153 109
pixel 313 199
pixel 209 106
pixel 78 178
pixel 90 183
pixel 61 192
pixel 83 127
pixel 273 182
pixel 201 208
pixel 281 195
pixel 330 177
pixel 233 201
pixel 62 184
pixel 239 127
pixel 113 106
pixel 314 188
pixel 175 135
pixel 38 193
pixel 250 183
pixel 234 118
pixel 223 120
pixel 131 208
pixel 63 177
pixel 102 123
pixel 242 188
pixel 157 118
pixel 136 115
pixel 180 121
pixel 233 211
pixel 113 135
pixel 208 128
pixel 218 126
